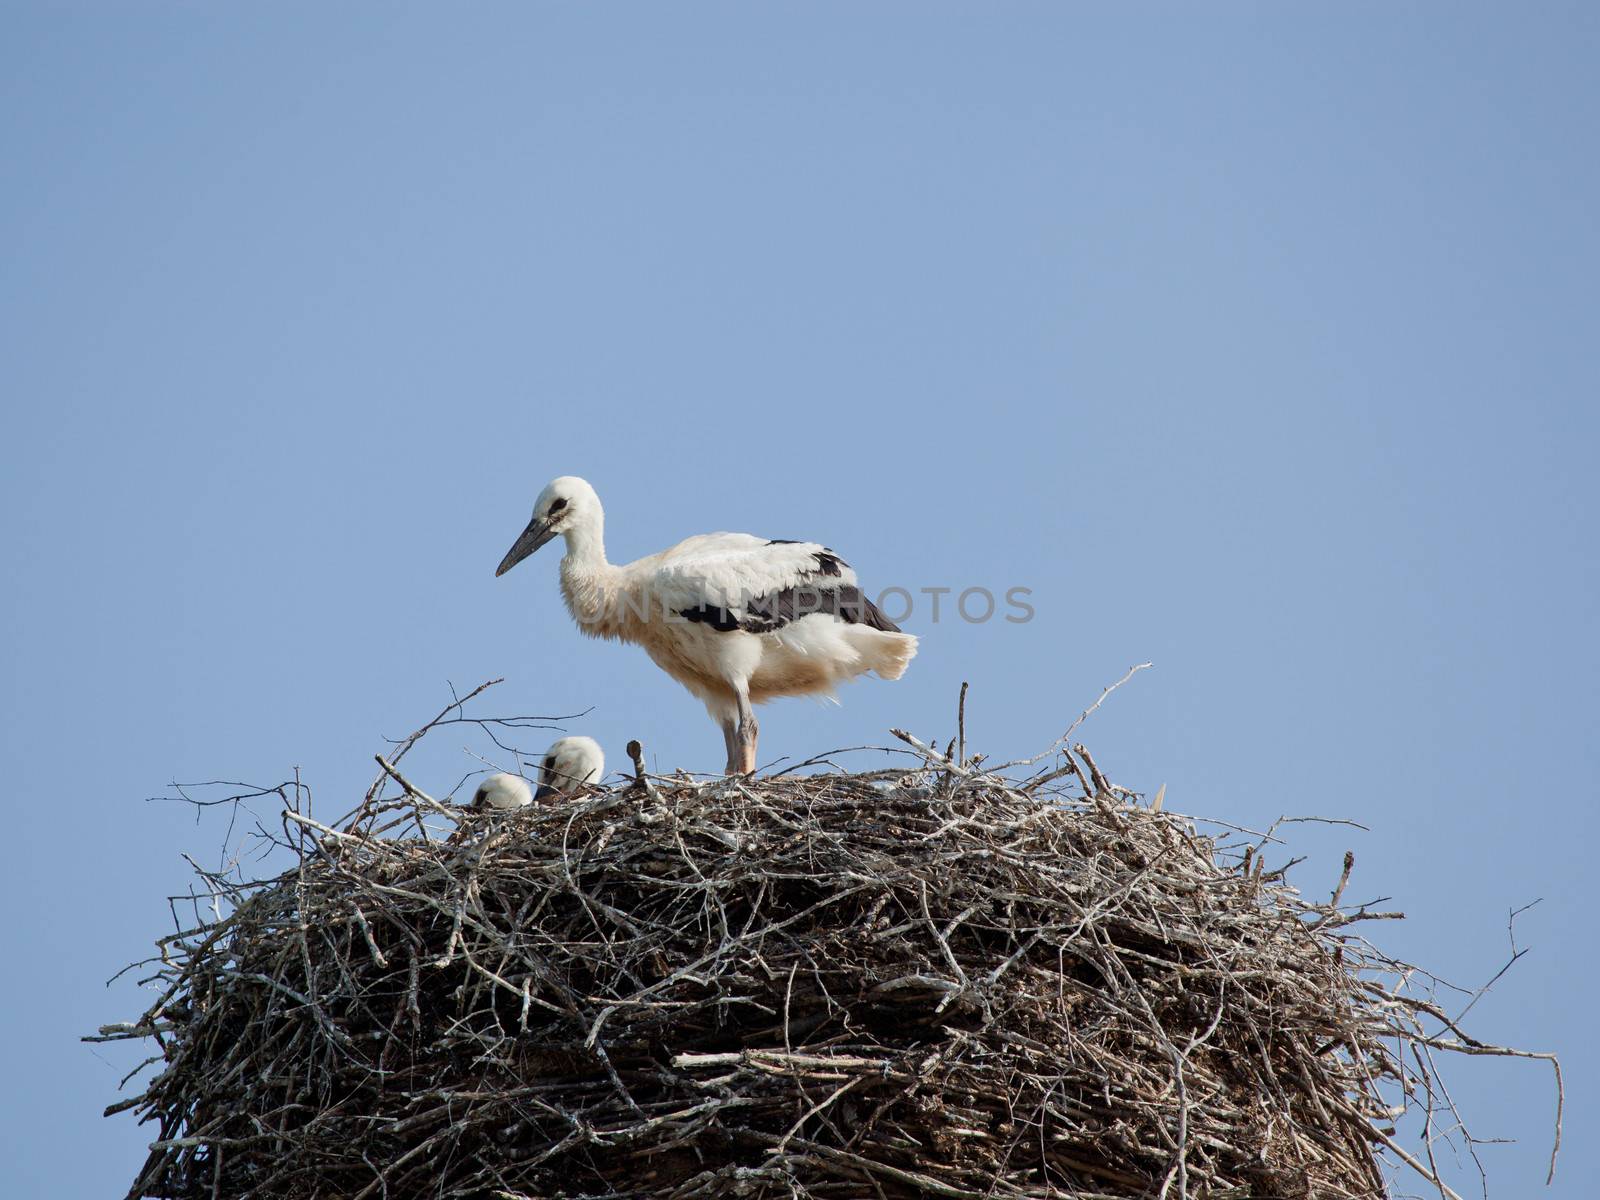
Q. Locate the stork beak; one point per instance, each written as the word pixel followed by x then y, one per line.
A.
pixel 544 793
pixel 535 535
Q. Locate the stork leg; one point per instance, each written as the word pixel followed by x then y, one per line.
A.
pixel 730 738
pixel 748 729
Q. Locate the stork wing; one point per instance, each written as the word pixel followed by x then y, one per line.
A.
pixel 739 581
pixel 731 569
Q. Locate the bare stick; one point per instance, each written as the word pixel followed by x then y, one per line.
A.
pixel 961 726
pixel 1084 716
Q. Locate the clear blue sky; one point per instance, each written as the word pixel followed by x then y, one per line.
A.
pixel 1257 340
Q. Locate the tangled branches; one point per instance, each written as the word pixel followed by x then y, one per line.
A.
pixel 902 983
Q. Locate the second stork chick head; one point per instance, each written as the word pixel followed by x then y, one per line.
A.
pixel 570 763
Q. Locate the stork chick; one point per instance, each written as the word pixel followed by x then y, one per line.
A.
pixel 502 793
pixel 570 763
pixel 736 619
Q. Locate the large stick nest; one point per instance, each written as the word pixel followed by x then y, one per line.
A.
pixel 896 984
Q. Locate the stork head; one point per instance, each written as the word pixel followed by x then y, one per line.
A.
pixel 567 505
pixel 569 764
pixel 503 792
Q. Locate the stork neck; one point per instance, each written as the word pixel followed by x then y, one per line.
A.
pixel 589 584
pixel 586 545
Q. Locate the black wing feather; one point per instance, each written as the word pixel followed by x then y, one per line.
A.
pixel 765 614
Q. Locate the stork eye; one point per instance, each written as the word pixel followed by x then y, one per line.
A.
pixel 556 506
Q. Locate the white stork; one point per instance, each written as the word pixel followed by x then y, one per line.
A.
pixel 736 619
pixel 569 764
pixel 503 792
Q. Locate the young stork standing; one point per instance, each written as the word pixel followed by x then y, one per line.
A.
pixel 736 619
